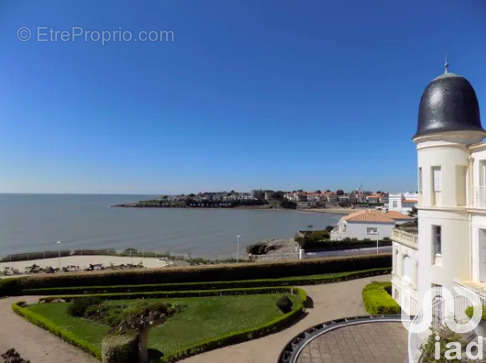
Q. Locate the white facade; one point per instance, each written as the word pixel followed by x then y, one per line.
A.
pixel 367 224
pixel 364 230
pixel 448 246
pixel 451 240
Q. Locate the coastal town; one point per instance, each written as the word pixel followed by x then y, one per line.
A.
pixel 296 199
pixel 243 182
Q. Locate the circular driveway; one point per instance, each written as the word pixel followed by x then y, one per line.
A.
pixel 368 342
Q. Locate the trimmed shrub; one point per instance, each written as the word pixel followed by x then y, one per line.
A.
pixel 79 306
pixel 223 272
pixel 10 287
pixel 284 304
pixel 345 244
pixel 275 325
pixel 178 294
pixel 469 312
pixel 119 348
pixel 48 325
pixel 212 285
pixel 377 300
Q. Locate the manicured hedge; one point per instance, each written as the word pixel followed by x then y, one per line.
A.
pixel 377 300
pixel 231 338
pixel 174 294
pixel 345 244
pixel 56 330
pixel 241 336
pixel 223 272
pixel 10 286
pixel 119 348
pixel 212 285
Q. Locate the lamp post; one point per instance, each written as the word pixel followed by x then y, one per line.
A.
pixel 237 247
pixel 59 254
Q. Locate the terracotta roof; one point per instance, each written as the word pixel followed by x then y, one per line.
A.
pixel 373 215
pixel 409 201
pixel 397 215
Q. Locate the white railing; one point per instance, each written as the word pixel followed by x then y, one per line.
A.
pixel 480 197
pixel 406 238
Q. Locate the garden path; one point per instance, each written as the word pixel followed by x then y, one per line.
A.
pixel 331 301
pixel 33 343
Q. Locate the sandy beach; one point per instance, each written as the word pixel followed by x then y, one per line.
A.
pixel 84 261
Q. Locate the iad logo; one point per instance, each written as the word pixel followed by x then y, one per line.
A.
pixel 439 307
pixel 437 326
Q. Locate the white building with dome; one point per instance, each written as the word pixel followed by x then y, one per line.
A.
pixel 448 247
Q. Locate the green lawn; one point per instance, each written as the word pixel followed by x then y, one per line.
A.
pixel 203 318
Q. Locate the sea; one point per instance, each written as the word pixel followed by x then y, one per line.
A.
pixel 35 222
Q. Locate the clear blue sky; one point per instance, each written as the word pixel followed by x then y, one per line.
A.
pixel 272 94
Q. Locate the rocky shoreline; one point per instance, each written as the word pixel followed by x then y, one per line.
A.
pixel 277 249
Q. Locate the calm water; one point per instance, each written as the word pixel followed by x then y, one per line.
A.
pixel 35 222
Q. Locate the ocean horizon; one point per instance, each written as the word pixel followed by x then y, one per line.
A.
pixel 32 222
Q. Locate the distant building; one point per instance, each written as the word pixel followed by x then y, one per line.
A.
pixel 368 223
pixel 402 202
pixel 373 199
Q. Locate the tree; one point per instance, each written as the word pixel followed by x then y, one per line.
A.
pixel 259 194
pixel 339 192
pixel 413 212
pixel 288 204
pixel 140 318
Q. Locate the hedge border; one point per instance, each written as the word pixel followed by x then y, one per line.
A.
pixel 174 294
pixel 377 300
pixel 300 280
pixel 243 335
pixel 210 344
pixel 222 272
pixel 48 325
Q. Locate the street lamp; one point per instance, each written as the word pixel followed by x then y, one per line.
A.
pixel 237 247
pixel 59 254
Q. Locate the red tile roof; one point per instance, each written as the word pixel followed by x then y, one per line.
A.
pixel 374 215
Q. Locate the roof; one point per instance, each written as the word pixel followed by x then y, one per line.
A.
pixel 373 215
pixel 409 201
pixel 449 103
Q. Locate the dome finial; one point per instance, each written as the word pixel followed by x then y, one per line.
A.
pixel 446 65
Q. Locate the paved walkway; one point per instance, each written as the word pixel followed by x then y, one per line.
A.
pixel 364 343
pixel 331 301
pixel 33 343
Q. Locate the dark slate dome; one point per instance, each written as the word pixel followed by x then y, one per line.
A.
pixel 448 103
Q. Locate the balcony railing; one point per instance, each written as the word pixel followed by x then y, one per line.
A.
pixel 406 238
